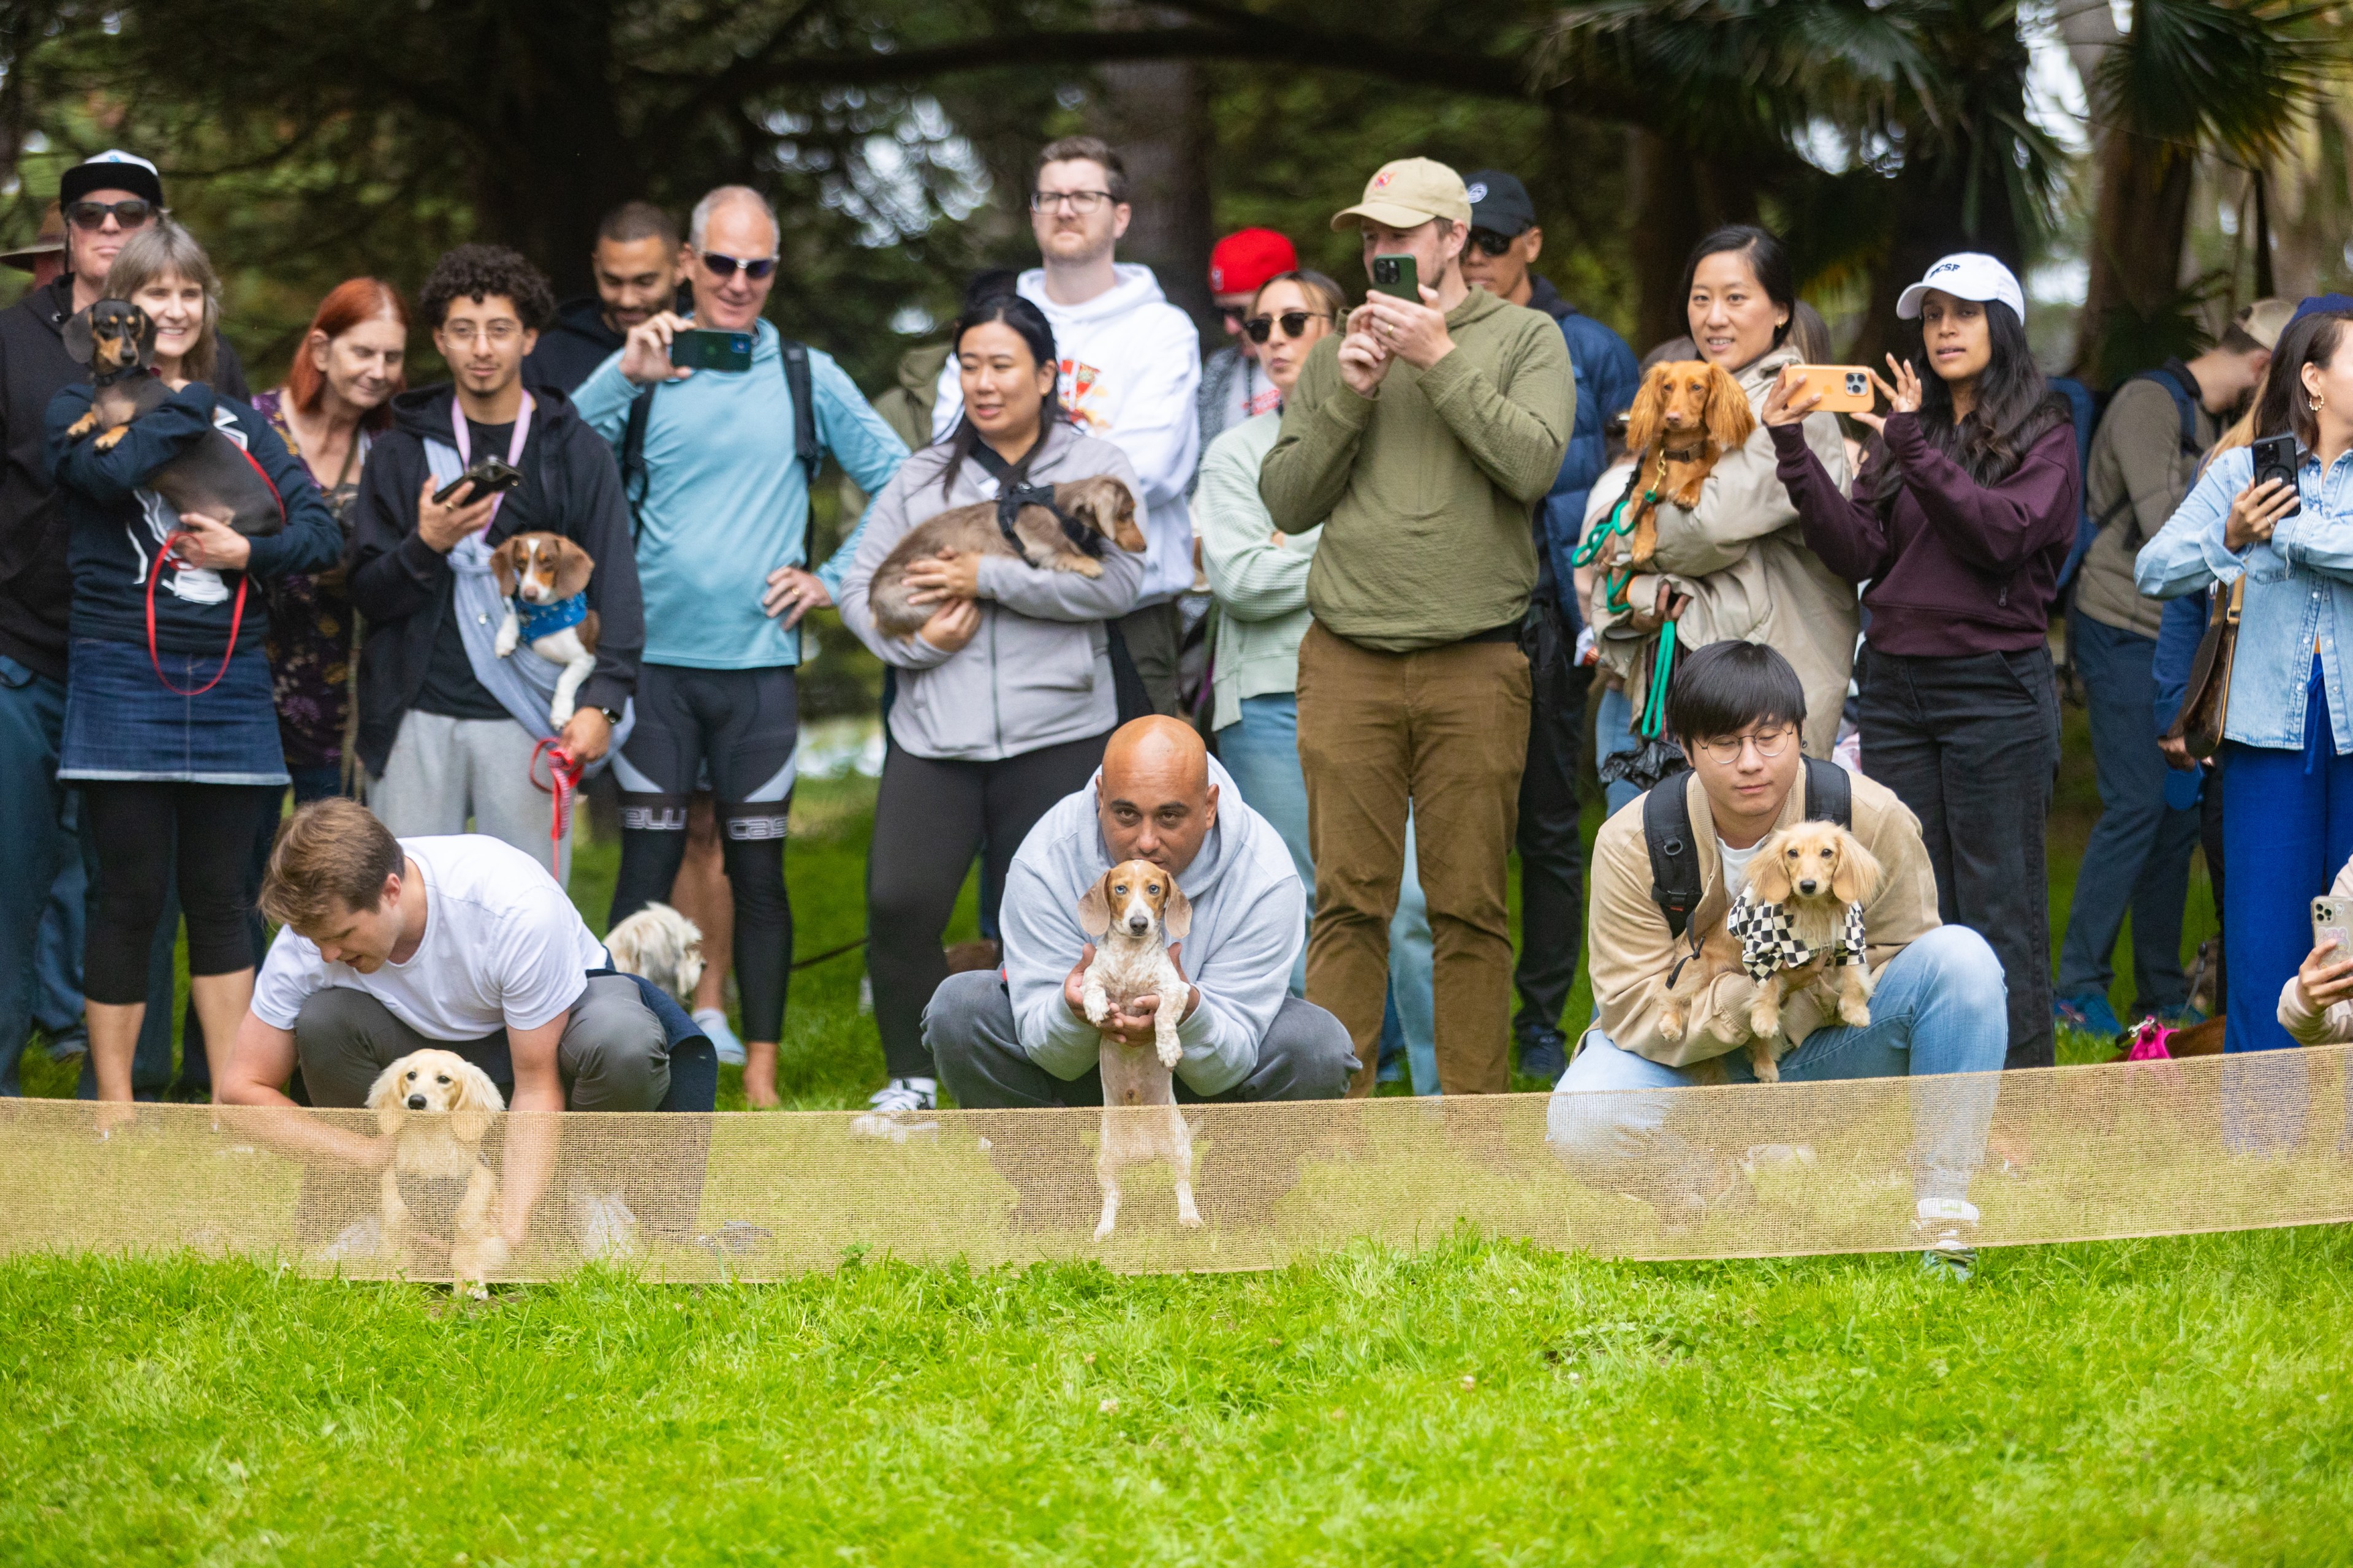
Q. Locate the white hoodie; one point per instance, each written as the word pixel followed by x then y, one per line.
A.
pixel 1131 370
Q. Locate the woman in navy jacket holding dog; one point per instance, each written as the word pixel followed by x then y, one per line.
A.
pixel 171 732
pixel 1960 520
pixel 1005 696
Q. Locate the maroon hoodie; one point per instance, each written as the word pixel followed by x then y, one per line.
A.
pixel 1956 568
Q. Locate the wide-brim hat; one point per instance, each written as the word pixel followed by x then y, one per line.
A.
pixel 49 242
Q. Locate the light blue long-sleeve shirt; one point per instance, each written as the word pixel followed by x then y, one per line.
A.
pixel 726 501
pixel 2299 599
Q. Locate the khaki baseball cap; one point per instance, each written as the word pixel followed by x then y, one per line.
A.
pixel 2266 319
pixel 1408 192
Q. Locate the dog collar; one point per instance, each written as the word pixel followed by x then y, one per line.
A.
pixel 112 376
pixel 545 620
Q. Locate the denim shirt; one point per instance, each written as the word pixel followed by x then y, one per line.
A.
pixel 2299 600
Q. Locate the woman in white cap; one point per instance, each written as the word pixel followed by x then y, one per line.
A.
pixel 1960 520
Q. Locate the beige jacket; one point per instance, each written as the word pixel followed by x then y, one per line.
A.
pixel 1742 557
pixel 2307 1024
pixel 1632 951
pixel 2137 456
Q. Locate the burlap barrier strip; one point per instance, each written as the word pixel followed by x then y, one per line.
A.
pixel 2072 1153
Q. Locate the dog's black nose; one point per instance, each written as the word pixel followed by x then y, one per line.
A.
pixel 1139 924
pixel 416 1102
pixel 1809 887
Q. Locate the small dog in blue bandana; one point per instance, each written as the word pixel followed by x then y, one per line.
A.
pixel 544 577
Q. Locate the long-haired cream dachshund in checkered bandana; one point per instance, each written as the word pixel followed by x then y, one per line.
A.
pixel 1800 921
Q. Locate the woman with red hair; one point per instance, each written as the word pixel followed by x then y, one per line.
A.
pixel 338 392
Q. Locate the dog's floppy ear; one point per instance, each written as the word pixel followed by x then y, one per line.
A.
pixel 146 324
pixel 477 1100
pixel 1769 873
pixel 1729 421
pixel 77 335
pixel 1094 905
pixel 1120 524
pixel 1857 878
pixel 1178 920
pixel 1648 418
pixel 575 566
pixel 502 569
pixel 383 1098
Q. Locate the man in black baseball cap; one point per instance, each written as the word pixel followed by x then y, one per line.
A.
pixel 1504 243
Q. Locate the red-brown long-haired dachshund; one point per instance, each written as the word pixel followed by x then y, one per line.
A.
pixel 1688 414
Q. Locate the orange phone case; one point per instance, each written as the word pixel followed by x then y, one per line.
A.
pixel 1838 383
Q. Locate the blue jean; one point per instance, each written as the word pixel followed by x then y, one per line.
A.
pixel 1939 1008
pixel 1261 750
pixel 2138 855
pixel 40 840
pixel 57 955
pixel 1613 732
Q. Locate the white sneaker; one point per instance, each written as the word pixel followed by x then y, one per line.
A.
pixel 1947 1229
pixel 713 1022
pixel 893 1105
pixel 906 1094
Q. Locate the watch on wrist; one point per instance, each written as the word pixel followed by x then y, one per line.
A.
pixel 611 718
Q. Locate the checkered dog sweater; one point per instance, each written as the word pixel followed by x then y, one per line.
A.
pixel 1768 943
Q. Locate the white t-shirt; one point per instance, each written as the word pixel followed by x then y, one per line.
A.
pixel 1735 865
pixel 504 949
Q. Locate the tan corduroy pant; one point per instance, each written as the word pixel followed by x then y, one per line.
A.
pixel 1444 731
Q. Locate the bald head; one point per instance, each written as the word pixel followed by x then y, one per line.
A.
pixel 1155 802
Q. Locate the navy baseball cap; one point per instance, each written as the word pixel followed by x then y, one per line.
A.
pixel 1500 205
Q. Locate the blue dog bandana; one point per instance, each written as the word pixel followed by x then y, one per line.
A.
pixel 547 620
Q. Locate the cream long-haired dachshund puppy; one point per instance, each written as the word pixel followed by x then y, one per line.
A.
pixel 1133 911
pixel 663 946
pixel 1800 921
pixel 437 1107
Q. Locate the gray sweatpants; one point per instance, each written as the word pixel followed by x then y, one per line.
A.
pixel 614 1054
pixel 443 771
pixel 969 1026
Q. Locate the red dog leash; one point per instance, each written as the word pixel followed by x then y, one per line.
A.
pixel 237 616
pixel 562 779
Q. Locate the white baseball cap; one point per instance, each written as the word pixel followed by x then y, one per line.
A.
pixel 1967 275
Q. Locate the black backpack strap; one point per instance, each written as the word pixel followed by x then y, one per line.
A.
pixel 1829 794
pixel 803 387
pixel 633 457
pixel 1675 857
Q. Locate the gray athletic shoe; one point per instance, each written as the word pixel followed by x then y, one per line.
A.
pixel 1947 1229
pixel 713 1022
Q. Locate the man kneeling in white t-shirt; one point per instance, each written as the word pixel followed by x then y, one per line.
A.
pixel 462 944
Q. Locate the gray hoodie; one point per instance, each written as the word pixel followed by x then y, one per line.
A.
pixel 1037 673
pixel 1248 916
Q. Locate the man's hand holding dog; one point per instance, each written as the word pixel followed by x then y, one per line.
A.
pixel 441 525
pixel 213 543
pixel 1132 1025
pixel 645 356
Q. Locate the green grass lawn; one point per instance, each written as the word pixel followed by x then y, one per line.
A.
pixel 2169 1401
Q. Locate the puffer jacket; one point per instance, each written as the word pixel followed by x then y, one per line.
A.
pixel 1037 673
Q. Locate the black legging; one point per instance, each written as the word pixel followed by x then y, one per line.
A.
pixel 929 818
pixel 134 826
pixel 764 911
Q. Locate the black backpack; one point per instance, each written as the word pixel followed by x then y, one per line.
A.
pixel 806 446
pixel 1674 858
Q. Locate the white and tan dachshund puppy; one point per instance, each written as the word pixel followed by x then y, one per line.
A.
pixel 544 577
pixel 1133 911
pixel 663 946
pixel 437 1108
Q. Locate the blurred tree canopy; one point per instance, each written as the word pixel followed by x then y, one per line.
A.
pixel 308 143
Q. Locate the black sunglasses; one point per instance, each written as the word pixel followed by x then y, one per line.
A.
pixel 92 214
pixel 725 266
pixel 1490 243
pixel 1294 324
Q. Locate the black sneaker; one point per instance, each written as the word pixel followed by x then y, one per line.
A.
pixel 1544 1055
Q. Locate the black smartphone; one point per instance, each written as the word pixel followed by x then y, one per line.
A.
pixel 2275 459
pixel 696 348
pixel 1400 276
pixel 490 477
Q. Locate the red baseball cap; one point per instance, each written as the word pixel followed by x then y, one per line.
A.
pixel 1248 257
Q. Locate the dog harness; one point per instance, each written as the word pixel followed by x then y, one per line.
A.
pixel 547 620
pixel 1768 942
pixel 1012 495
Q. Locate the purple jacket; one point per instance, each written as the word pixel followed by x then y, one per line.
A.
pixel 1956 568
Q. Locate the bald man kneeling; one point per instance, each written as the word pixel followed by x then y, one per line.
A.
pixel 1022 1039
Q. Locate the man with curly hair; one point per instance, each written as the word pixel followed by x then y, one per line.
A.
pixel 448 727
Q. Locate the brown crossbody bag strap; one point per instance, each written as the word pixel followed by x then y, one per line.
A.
pixel 2206 707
